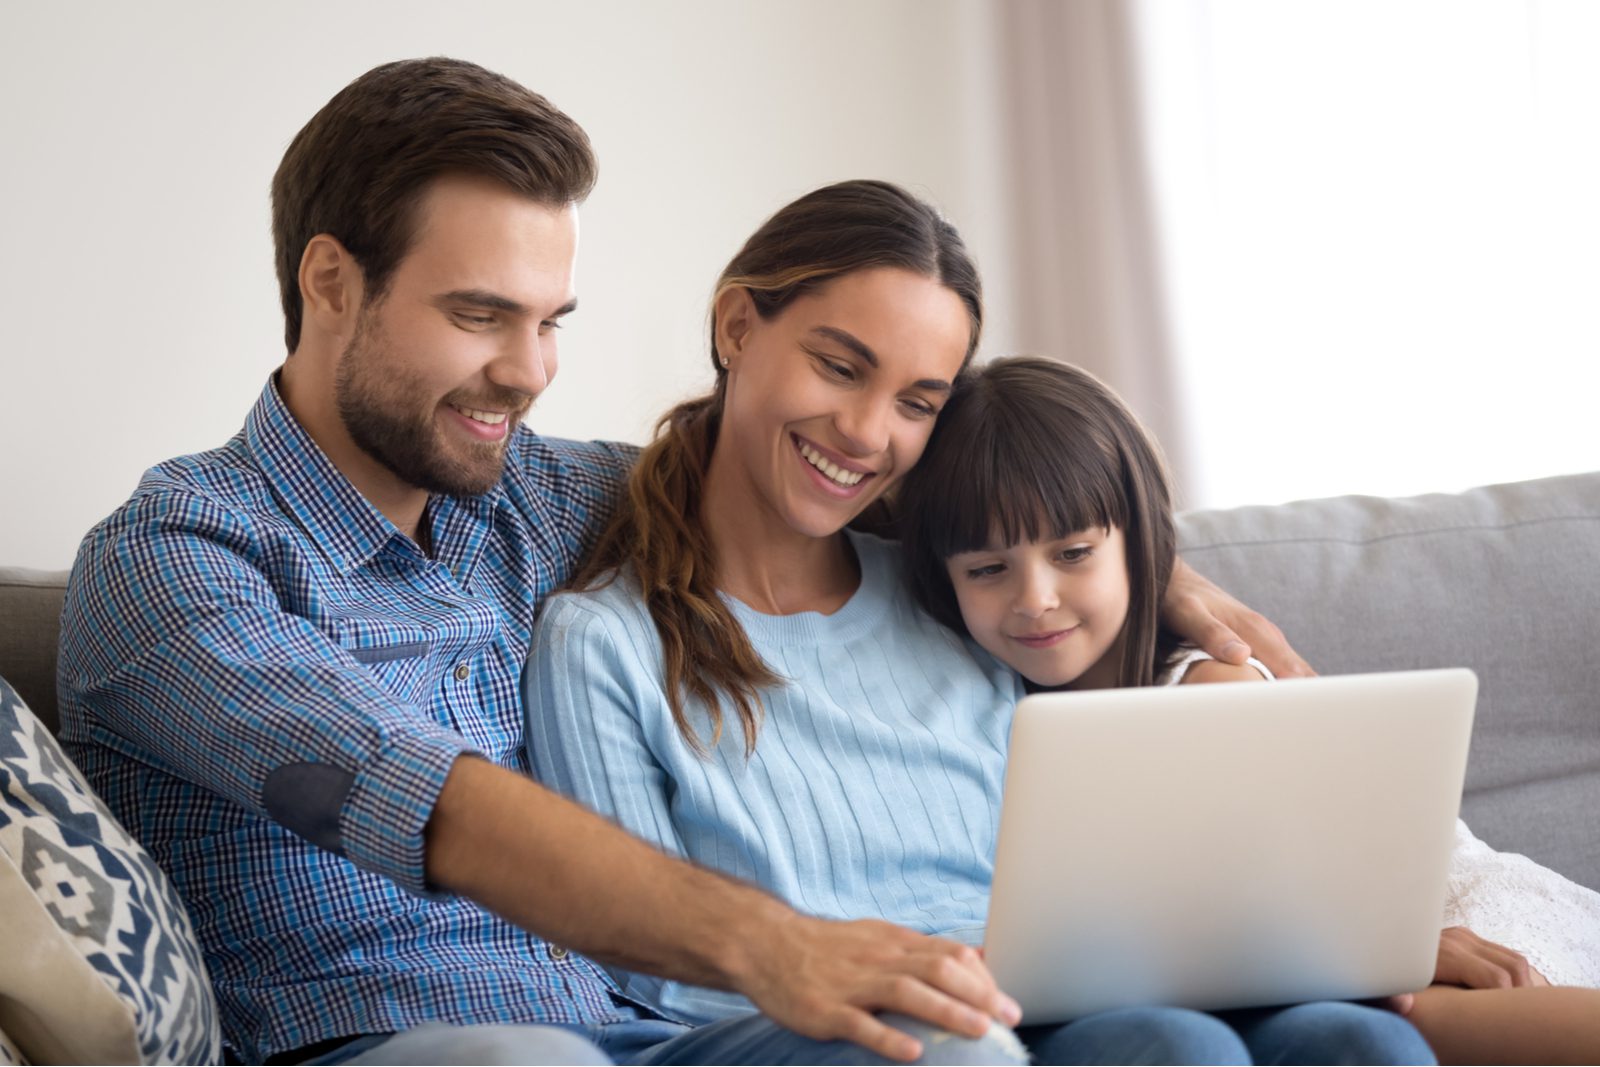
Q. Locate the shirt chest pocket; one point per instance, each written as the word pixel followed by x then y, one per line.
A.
pixel 399 655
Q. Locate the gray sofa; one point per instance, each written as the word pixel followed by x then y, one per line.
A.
pixel 1505 580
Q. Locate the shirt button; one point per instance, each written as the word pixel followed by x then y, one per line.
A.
pixel 557 952
pixel 461 672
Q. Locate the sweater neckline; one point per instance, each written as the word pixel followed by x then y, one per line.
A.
pixel 858 616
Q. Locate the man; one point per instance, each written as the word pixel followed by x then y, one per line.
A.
pixel 291 664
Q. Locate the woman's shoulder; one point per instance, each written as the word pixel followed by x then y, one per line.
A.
pixel 615 604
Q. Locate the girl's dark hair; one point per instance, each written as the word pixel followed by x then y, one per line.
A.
pixel 658 531
pixel 1030 449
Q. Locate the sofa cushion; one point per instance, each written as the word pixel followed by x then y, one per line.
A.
pixel 1503 579
pixel 99 963
pixel 30 619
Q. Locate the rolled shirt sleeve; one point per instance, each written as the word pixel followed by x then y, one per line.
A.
pixel 180 642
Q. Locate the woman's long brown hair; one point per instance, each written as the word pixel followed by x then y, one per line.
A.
pixel 658 535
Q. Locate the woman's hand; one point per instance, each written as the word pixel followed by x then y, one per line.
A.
pixel 1465 959
pixel 1198 611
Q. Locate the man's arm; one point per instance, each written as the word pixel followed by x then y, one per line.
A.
pixel 1198 611
pixel 551 866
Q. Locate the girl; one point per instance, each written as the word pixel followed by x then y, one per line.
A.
pixel 1040 525
pixel 746 683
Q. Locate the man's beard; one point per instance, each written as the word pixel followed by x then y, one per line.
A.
pixel 379 407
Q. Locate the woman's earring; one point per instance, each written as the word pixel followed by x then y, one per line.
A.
pixel 724 362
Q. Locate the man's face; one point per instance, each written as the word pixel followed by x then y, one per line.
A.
pixel 447 361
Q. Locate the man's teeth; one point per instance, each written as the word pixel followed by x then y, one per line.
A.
pixel 489 418
pixel 834 473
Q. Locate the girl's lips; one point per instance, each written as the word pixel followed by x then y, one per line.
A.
pixel 1044 640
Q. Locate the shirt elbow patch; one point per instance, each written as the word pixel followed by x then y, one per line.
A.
pixel 306 798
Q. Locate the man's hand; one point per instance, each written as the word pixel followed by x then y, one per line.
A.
pixel 1465 959
pixel 1198 611
pixel 826 980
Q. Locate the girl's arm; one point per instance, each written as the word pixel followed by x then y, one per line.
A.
pixel 1197 610
pixel 1214 670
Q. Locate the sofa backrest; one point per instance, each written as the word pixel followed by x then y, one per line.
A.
pixel 30 621
pixel 1503 579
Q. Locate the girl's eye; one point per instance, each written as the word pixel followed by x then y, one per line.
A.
pixel 1075 554
pixel 988 570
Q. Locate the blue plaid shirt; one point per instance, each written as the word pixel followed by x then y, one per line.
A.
pixel 249 643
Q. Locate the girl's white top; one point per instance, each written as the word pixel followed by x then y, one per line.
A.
pixel 1502 896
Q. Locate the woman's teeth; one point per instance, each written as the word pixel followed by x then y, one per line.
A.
pixel 836 474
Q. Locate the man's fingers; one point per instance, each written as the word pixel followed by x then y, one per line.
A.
pixel 913 996
pixel 962 974
pixel 861 1028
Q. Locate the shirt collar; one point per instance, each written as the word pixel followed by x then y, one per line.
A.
pixel 342 522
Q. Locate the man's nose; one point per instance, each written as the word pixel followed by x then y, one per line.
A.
pixel 528 362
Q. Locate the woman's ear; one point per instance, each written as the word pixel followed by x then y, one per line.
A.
pixel 331 285
pixel 735 314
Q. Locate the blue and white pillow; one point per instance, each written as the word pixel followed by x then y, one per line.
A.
pixel 88 911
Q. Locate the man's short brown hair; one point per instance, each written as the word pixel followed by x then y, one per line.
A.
pixel 360 167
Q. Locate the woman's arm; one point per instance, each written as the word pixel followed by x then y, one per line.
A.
pixel 1197 610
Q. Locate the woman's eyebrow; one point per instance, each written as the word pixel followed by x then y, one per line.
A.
pixel 870 358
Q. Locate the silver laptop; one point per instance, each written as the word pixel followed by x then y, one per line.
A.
pixel 1227 845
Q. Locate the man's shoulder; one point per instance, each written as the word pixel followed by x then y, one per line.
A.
pixel 207 486
pixel 556 461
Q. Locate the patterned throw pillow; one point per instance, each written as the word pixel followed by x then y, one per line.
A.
pixel 98 962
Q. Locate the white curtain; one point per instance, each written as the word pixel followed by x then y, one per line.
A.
pixel 1086 279
pixel 1320 246
pixel 1381 229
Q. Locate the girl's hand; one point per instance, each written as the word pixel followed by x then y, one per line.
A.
pixel 1198 611
pixel 1465 959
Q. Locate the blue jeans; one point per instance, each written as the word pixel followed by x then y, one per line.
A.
pixel 1328 1032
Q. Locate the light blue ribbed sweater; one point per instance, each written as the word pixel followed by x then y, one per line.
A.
pixel 874 790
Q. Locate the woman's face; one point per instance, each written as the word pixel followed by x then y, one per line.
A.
pixel 833 399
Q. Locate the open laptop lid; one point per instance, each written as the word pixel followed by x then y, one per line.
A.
pixel 1227 845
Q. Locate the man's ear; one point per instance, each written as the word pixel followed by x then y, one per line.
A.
pixel 735 315
pixel 331 285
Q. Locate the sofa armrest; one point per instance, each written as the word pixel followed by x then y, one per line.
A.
pixel 30 624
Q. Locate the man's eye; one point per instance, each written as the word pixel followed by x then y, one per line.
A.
pixel 549 324
pixel 474 320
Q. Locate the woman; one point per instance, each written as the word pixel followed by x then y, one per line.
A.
pixel 745 682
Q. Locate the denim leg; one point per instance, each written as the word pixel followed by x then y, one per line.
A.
pixel 1329 1031
pixel 495 1044
pixel 756 1039
pixel 1141 1035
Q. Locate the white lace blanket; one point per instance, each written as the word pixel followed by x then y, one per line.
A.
pixel 1509 899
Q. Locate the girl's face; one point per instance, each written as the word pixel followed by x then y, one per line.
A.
pixel 833 398
pixel 1052 610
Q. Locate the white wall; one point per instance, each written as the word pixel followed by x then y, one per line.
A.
pixel 138 307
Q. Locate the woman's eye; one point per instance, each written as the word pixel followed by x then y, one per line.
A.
pixel 920 409
pixel 833 368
